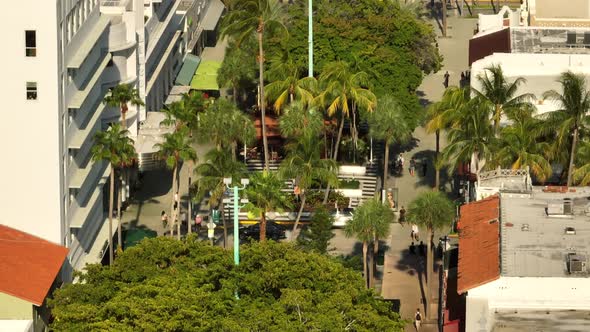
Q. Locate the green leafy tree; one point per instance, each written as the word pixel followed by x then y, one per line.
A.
pixel 175 149
pixel 316 237
pixel 237 70
pixel 284 288
pixel 501 94
pixel 391 123
pixel 265 195
pixel 121 96
pixel 304 164
pixel 581 174
pixel 574 103
pixel 370 223
pixel 114 147
pixel 245 18
pixel 218 165
pixel 434 211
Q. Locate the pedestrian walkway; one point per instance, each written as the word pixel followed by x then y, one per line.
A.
pixel 403 276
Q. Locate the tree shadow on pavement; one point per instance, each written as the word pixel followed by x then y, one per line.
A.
pixel 428 179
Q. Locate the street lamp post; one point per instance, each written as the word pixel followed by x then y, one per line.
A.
pixel 236 189
pixel 310 36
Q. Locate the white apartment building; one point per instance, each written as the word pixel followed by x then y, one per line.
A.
pixel 61 57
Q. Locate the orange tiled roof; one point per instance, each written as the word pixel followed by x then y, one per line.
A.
pixel 479 243
pixel 28 265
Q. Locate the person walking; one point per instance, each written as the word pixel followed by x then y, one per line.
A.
pixel 417 319
pixel 412 166
pixel 164 218
pixel 414 232
pixel 402 215
pixel 446 81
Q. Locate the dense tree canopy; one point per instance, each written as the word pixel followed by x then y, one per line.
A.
pixel 168 285
pixel 391 44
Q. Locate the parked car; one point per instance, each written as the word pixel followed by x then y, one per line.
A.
pixel 342 217
pixel 274 232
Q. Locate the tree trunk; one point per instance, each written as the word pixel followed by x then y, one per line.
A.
pixel 437 162
pixel 371 268
pixel 263 226
pixel 172 210
pixel 222 211
pixel 111 203
pixel 298 216
pixel 262 102
pixel 235 93
pixel 572 157
pixel 429 272
pixel 386 164
pixel 497 116
pixel 119 230
pixel 189 218
pixel 374 264
pixel 365 250
pixel 234 145
pixel 444 17
pixel 178 216
pixel 124 116
pixel 338 138
pixel 354 134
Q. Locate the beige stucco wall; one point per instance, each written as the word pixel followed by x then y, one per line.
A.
pixel 573 9
pixel 14 308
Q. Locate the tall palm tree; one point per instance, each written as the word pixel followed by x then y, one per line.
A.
pixel 501 94
pixel 471 137
pixel 370 223
pixel 390 123
pixel 520 146
pixel 246 17
pixel 299 119
pixel 265 195
pixel 175 149
pixel 211 173
pixel 121 96
pixel 304 164
pixel 574 103
pixel 434 211
pixel 114 147
pixel 234 70
pixel 344 91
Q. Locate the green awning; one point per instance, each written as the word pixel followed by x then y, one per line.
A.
pixel 189 67
pixel 206 76
pixel 134 236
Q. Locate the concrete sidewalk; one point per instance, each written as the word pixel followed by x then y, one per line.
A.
pixel 403 276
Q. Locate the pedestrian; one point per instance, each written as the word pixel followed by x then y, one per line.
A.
pixel 414 232
pixel 446 81
pixel 390 200
pixel 412 166
pixel 402 215
pixel 175 200
pixel 417 319
pixel 424 167
pixel 198 222
pixel 412 248
pixel 164 218
pixel 422 248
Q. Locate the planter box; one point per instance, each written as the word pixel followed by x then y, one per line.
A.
pixel 352 170
pixel 350 193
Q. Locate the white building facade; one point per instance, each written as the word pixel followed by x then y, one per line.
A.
pixel 61 58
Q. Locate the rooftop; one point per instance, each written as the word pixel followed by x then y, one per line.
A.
pixel 540 320
pixel 29 265
pixel 545 234
pixel 479 261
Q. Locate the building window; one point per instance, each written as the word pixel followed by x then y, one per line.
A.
pixel 30 43
pixel 31 90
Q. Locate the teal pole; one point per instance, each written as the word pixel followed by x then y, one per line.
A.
pixel 236 228
pixel 310 36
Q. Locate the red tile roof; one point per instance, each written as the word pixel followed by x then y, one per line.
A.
pixel 28 265
pixel 479 243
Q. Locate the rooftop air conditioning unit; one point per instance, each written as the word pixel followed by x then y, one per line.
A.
pixel 576 263
pixel 568 206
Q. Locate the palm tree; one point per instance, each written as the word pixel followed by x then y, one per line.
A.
pixel 287 84
pixel 370 223
pixel 175 149
pixel 114 147
pixel 121 96
pixel 501 94
pixel 434 211
pixel 299 119
pixel 211 174
pixel 304 164
pixel 265 194
pixel 234 71
pixel 471 136
pixel 344 90
pixel 244 18
pixel 573 114
pixel 442 114
pixel 390 123
pixel 520 146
